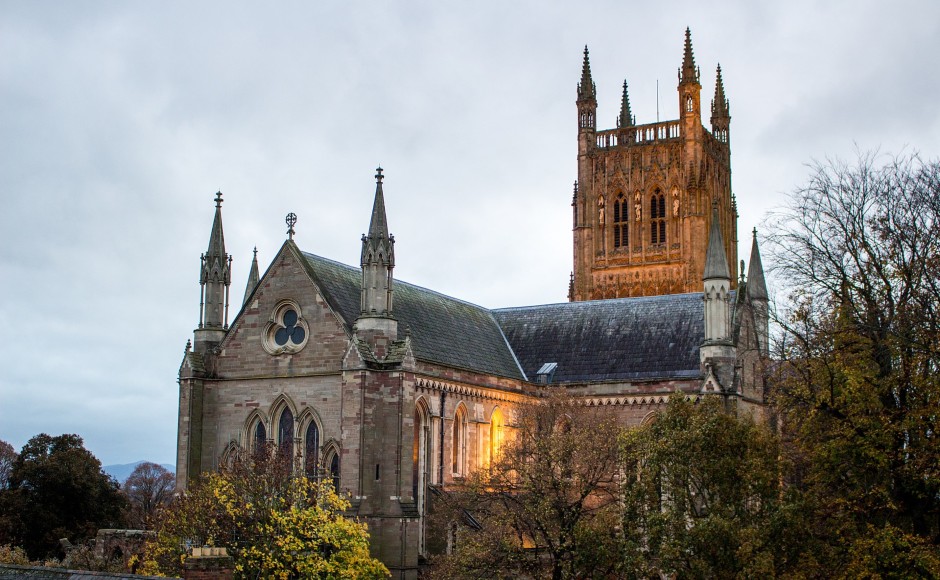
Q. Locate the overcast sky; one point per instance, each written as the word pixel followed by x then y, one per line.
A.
pixel 120 120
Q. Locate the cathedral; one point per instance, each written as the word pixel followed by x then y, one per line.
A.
pixel 396 391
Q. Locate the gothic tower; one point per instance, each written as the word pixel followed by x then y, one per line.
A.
pixel 642 202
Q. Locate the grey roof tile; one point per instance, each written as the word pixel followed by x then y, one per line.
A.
pixel 443 330
pixel 606 340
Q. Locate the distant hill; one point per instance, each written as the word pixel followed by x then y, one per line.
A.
pixel 120 472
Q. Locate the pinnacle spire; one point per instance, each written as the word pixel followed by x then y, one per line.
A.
pixel 253 277
pixel 756 286
pixel 720 106
pixel 216 238
pixel 378 246
pixel 688 73
pixel 586 86
pixel 716 263
pixel 626 118
pixel 215 277
pixel 378 225
pixel 378 259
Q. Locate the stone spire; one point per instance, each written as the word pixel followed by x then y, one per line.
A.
pixel 716 263
pixel 626 118
pixel 756 286
pixel 757 295
pixel 717 302
pixel 721 110
pixel 378 259
pixel 688 73
pixel 215 278
pixel 253 277
pixel 720 105
pixel 586 89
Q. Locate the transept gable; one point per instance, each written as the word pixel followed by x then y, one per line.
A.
pixel 287 313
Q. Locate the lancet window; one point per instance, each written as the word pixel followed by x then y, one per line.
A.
pixel 621 222
pixel 658 218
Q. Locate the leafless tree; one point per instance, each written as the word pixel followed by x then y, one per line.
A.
pixel 149 488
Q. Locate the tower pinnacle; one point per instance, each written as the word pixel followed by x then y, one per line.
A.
pixel 586 86
pixel 688 73
pixel 378 258
pixel 626 118
pixel 215 277
pixel 720 106
pixel 721 115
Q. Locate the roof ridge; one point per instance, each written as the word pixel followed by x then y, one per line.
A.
pixel 400 282
pixel 587 303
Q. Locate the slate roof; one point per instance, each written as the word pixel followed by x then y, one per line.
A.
pixel 655 337
pixel 443 330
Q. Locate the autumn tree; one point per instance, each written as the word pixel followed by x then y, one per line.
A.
pixel 275 524
pixel 701 496
pixel 149 488
pixel 857 384
pixel 547 505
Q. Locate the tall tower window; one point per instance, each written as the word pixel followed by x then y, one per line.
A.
pixel 658 218
pixel 621 222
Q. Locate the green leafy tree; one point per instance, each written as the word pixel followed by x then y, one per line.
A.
pixel 857 383
pixel 547 506
pixel 149 488
pixel 701 495
pixel 57 489
pixel 274 525
pixel 7 458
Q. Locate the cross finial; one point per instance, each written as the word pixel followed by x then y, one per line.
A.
pixel 754 232
pixel 378 174
pixel 256 252
pixel 291 219
pixel 218 198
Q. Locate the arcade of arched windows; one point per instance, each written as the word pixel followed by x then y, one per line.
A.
pixel 297 438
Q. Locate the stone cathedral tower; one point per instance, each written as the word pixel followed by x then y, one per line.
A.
pixel 643 200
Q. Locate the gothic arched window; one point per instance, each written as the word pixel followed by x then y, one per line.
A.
pixel 285 432
pixel 285 436
pixel 334 470
pixel 621 222
pixel 459 452
pixel 658 218
pixel 496 434
pixel 260 436
pixel 312 450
